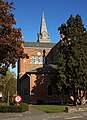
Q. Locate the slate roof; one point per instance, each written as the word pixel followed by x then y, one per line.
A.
pixel 39 44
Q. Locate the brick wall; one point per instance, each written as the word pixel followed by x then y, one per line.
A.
pixel 27 65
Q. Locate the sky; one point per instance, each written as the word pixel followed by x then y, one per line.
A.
pixel 28 16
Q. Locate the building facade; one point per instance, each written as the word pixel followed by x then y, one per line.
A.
pixel 37 52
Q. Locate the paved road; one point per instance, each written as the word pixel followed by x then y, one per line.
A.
pixel 34 114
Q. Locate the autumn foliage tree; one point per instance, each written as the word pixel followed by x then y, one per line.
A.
pixel 10 38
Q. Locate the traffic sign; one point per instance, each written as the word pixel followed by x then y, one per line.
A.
pixel 17 99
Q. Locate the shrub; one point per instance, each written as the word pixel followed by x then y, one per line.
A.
pixel 25 107
pixel 15 108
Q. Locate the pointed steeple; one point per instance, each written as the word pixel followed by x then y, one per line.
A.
pixel 43 35
pixel 43 24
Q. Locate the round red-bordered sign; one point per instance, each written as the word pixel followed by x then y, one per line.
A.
pixel 17 99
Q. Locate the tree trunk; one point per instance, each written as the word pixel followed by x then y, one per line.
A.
pixel 2 96
pixel 3 91
pixel 8 102
pixel 74 95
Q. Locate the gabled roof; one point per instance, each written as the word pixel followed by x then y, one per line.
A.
pixel 39 44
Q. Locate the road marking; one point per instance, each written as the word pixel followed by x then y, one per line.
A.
pixel 73 117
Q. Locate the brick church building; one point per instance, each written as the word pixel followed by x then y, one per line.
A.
pixel 37 51
pixel 36 72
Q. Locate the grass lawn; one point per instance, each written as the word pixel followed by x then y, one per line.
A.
pixel 50 108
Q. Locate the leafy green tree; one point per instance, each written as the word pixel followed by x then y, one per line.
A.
pixel 9 86
pixel 10 38
pixel 72 65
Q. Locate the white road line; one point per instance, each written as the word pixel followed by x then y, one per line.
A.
pixel 73 117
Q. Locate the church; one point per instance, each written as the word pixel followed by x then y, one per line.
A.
pixel 36 72
pixel 37 51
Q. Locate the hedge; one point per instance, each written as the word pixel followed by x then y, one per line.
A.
pixel 15 108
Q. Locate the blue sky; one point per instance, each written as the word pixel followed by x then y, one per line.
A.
pixel 28 15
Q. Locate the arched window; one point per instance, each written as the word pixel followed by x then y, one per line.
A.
pixel 36 60
pixel 32 60
pixel 50 90
pixel 41 60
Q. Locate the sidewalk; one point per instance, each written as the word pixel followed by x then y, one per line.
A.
pixel 34 111
pixel 35 114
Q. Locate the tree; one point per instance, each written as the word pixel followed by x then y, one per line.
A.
pixel 72 63
pixel 10 38
pixel 9 86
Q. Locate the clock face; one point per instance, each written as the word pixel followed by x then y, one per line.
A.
pixel 38 53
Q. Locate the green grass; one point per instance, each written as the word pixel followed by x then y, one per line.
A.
pixel 50 108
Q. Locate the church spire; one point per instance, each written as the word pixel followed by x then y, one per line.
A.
pixel 43 35
pixel 43 23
